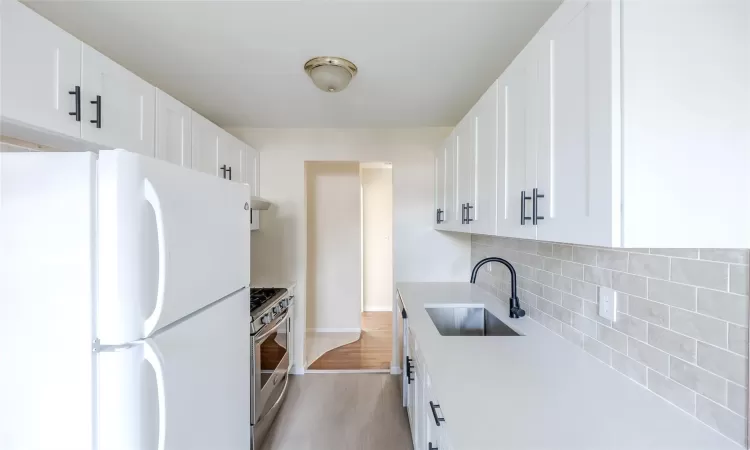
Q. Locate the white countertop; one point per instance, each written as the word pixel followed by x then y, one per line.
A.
pixel 538 391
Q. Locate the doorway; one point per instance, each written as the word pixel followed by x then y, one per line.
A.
pixel 350 266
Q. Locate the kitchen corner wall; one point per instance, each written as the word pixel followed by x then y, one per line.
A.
pixel 682 316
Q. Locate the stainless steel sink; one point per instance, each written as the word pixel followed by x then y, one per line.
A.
pixel 467 321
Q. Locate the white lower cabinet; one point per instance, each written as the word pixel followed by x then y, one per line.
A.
pixel 117 107
pixel 428 426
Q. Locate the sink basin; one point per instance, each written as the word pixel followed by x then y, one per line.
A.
pixel 467 321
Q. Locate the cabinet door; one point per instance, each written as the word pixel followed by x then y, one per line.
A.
pixel 41 64
pixel 517 168
pixel 431 430
pixel 205 145
pixel 575 165
pixel 124 117
pixel 250 170
pixel 440 156
pixel 230 157
pixel 464 145
pixel 173 130
pixel 452 207
pixel 483 203
pixel 412 394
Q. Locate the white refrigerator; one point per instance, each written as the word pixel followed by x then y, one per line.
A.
pixel 124 305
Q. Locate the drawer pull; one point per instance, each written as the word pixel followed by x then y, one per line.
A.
pixel 434 407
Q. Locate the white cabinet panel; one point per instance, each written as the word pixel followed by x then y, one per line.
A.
pixel 452 207
pixel 250 175
pixel 483 203
pixel 173 130
pixel 205 145
pixel 518 165
pixel 464 145
pixel 441 177
pixel 230 157
pixel 41 65
pixel 124 115
pixel 575 155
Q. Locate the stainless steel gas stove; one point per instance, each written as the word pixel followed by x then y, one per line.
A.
pixel 270 328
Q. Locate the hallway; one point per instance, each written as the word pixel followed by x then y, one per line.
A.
pixel 372 351
pixel 341 412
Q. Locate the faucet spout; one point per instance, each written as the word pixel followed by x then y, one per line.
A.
pixel 515 306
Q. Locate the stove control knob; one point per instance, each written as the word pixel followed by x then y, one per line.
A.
pixel 275 310
pixel 265 319
pixel 283 303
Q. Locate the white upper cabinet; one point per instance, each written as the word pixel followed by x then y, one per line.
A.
pixel 231 156
pixel 575 154
pixel 482 212
pixel 628 120
pixel 173 130
pixel 440 178
pixel 451 219
pixel 117 106
pixel 41 71
pixel 685 123
pixel 464 145
pixel 516 163
pixel 205 145
pixel 251 176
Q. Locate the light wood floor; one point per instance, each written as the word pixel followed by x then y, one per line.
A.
pixel 372 351
pixel 341 412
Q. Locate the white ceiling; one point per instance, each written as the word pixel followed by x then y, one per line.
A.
pixel 239 63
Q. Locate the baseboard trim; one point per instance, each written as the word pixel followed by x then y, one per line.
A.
pixel 348 371
pixel 380 309
pixel 334 330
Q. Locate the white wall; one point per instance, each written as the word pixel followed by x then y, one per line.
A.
pixel 333 246
pixel 419 252
pixel 377 232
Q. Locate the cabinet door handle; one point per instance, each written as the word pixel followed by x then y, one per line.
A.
pixel 223 171
pixel 98 103
pixel 251 216
pixel 434 407
pixel 464 211
pixel 409 369
pixel 439 217
pixel 524 217
pixel 229 170
pixel 430 447
pixel 77 92
pixel 468 213
pixel 536 196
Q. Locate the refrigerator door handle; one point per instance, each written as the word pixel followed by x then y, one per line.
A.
pixel 153 199
pixel 154 359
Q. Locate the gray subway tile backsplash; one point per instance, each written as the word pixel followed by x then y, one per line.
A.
pixel 682 316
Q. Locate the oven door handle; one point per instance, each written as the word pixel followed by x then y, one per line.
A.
pixel 278 323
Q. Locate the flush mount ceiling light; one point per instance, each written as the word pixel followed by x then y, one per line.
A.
pixel 330 73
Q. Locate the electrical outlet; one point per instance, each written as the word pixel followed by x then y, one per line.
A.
pixel 607 303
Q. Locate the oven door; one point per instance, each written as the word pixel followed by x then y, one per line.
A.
pixel 270 366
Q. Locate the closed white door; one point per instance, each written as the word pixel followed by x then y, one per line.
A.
pixel 41 71
pixel 483 204
pixel 231 152
pixel 205 145
pixel 175 239
pixel 464 144
pixel 186 388
pixel 517 170
pixel 173 131
pixel 118 108
pixel 575 161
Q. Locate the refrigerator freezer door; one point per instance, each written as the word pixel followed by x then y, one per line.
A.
pixel 185 388
pixel 47 223
pixel 171 241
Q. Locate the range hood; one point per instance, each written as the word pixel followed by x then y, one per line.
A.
pixel 259 203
